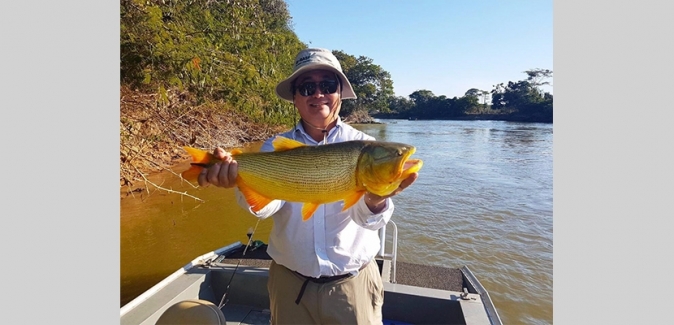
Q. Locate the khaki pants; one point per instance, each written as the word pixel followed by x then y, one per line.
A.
pixel 351 300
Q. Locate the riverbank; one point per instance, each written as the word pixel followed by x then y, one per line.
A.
pixel 154 129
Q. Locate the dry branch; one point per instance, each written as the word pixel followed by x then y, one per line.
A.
pixel 166 189
pixel 153 133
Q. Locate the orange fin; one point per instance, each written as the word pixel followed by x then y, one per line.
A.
pixel 200 156
pixel 352 199
pixel 236 152
pixel 200 159
pixel 308 210
pixel 283 143
pixel 256 200
pixel 192 174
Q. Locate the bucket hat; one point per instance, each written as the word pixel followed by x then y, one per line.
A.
pixel 314 59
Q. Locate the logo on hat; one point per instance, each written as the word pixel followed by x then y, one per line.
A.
pixel 301 60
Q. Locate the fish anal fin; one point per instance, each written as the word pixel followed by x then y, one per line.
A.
pixel 308 210
pixel 282 143
pixel 352 199
pixel 256 200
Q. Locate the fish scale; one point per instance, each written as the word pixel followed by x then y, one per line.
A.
pixel 315 175
pixel 301 172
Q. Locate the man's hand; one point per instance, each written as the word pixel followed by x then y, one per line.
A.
pixel 222 174
pixel 376 203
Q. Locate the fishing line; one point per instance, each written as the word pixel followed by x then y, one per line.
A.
pixel 250 239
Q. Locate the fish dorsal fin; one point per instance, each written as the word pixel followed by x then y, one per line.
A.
pixel 283 143
pixel 236 152
pixel 308 210
pixel 352 199
pixel 256 200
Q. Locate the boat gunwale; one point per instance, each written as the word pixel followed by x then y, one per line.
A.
pixel 167 280
pixel 494 318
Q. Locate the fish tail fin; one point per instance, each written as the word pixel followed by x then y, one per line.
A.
pixel 200 159
pixel 192 174
pixel 199 156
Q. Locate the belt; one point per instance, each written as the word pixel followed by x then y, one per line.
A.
pixel 322 279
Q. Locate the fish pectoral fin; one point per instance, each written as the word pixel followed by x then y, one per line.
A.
pixel 352 199
pixel 256 200
pixel 308 210
pixel 283 143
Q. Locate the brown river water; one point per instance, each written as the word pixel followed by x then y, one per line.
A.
pixel 483 199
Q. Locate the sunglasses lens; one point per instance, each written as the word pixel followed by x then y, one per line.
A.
pixel 309 88
pixel 328 86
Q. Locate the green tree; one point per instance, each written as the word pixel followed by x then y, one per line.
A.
pixel 400 105
pixel 520 94
pixel 471 98
pixel 215 50
pixel 497 99
pixel 421 97
pixel 371 83
pixel 484 94
pixel 473 92
pixel 536 77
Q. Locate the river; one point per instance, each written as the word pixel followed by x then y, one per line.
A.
pixel 483 199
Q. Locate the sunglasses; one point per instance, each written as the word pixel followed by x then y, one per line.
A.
pixel 309 88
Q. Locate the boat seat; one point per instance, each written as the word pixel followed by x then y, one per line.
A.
pixel 193 312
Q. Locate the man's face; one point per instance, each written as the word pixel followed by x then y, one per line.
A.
pixel 319 108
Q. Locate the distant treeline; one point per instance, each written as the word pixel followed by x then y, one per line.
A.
pixel 234 52
pixel 515 101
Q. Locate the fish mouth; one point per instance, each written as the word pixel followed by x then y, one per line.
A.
pixel 409 166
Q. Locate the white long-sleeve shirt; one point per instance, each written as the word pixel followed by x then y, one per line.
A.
pixel 331 242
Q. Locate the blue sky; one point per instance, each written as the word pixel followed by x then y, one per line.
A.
pixel 443 46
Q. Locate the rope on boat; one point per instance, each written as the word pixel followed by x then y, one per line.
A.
pixel 250 239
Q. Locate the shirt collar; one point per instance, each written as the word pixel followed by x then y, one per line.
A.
pixel 299 127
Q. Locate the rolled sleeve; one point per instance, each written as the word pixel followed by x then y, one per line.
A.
pixel 363 217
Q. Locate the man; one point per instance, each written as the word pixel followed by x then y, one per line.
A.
pixel 323 270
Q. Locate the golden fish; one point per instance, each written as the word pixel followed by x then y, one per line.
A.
pixel 316 175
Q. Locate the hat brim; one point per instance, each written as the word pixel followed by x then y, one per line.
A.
pixel 283 89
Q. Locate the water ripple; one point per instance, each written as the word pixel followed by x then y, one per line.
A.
pixel 483 199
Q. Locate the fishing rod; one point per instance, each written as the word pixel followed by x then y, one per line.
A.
pixel 250 239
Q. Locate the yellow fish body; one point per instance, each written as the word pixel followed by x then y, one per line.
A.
pixel 316 175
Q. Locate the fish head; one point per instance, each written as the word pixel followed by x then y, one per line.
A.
pixel 382 166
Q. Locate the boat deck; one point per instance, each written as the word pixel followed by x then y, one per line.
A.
pixel 426 276
pixel 420 294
